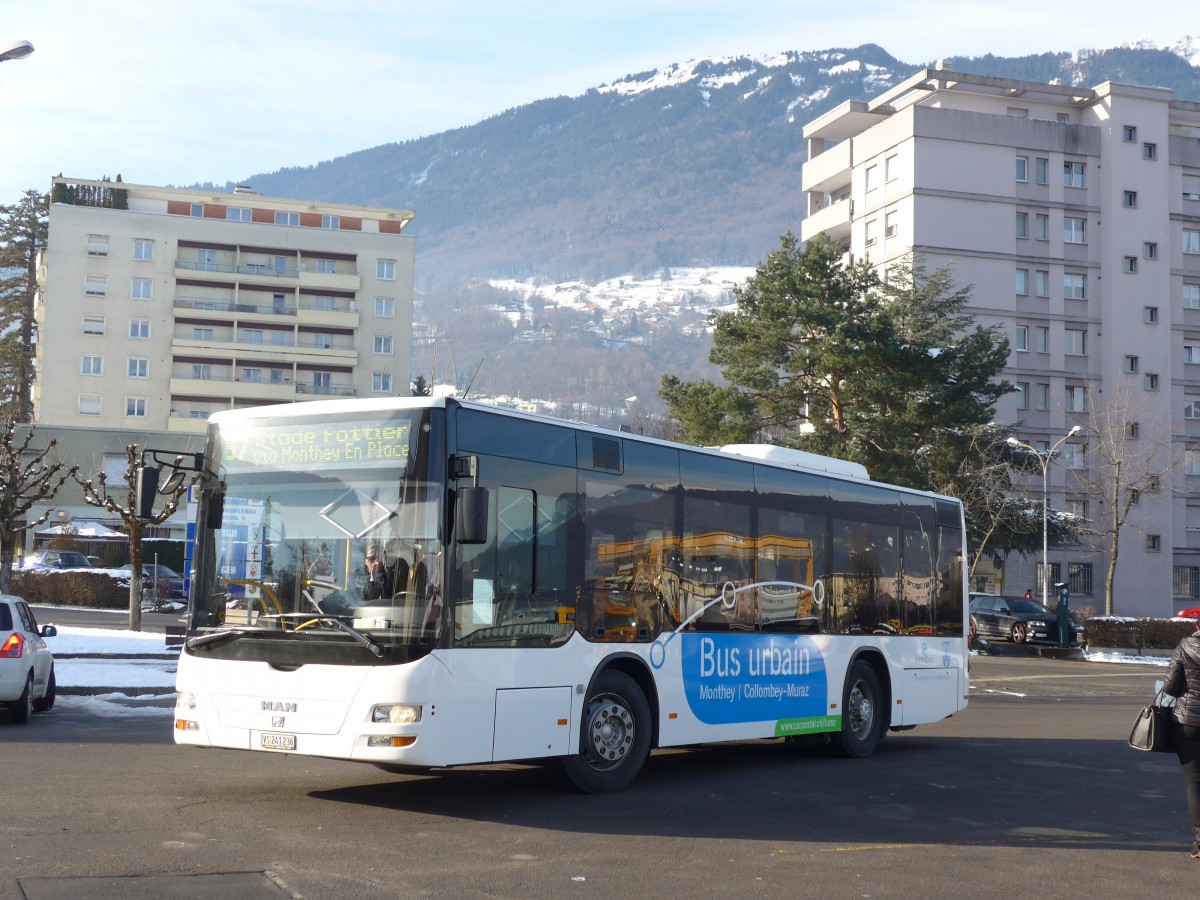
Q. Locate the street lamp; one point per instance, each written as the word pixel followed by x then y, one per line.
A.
pixel 1045 461
pixel 15 50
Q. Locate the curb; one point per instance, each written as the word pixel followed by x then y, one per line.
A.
pixel 93 691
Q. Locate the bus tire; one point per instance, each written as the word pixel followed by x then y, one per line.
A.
pixel 862 713
pixel 615 740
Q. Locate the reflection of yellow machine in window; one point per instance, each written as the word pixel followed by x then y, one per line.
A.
pixel 648 579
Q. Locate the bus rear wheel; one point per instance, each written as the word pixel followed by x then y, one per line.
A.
pixel 862 713
pixel 615 742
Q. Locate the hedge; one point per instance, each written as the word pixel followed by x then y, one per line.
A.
pixel 72 588
pixel 1150 634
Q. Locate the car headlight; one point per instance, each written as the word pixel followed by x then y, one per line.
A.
pixel 396 714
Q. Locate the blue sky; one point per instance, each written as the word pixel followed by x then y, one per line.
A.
pixel 173 93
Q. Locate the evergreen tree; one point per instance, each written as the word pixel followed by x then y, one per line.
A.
pixel 822 356
pixel 23 229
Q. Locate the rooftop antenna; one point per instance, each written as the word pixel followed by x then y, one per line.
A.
pixel 467 389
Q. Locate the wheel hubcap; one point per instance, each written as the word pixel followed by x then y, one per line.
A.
pixel 610 733
pixel 861 710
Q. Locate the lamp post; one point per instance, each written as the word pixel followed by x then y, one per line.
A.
pixel 1045 461
pixel 15 50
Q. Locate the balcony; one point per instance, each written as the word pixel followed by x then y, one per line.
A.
pixel 232 274
pixel 834 220
pixel 266 391
pixel 327 390
pixel 828 172
pixel 221 309
pixel 335 281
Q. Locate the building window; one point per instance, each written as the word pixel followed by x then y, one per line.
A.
pixel 325 304
pixel 95 285
pixel 1022 282
pixel 1150 250
pixel 1186 581
pixel 287 218
pixel 1191 187
pixel 1191 353
pixel 1074 286
pixel 1041 170
pixel 90 364
pixel 381 382
pixel 1073 174
pixel 202 334
pixel 870 233
pixel 891 167
pixel 383 345
pixel 238 214
pixel 1129 265
pixel 1041 227
pixel 1149 151
pixel 889 225
pixel 97 245
pixel 1022 225
pixel 276 376
pixel 1055 577
pixel 93 324
pixel 135 407
pixel 141 289
pixel 385 307
pixel 1076 507
pixel 1153 543
pixel 1129 199
pixel 1191 462
pixel 331 222
pixel 1021 338
pixel 1075 342
pixel 196 211
pixel 1191 409
pixel 1191 241
pixel 1073 456
pixel 143 249
pixel 322 382
pixel 1022 168
pixel 1151 380
pixel 1132 430
pixel 1074 398
pixel 206 260
pixel 1041 396
pixel 201 372
pixel 252 335
pixel 1128 134
pixel 139 329
pixel 1041 338
pixel 1074 230
pixel 326 266
pixel 872 178
pixel 1131 364
pixel 1041 283
pixel 1019 112
pixel 385 269
pixel 1191 296
pixel 138 367
pixel 253 376
pixel 1150 315
pixel 89 404
pixel 1079 578
pixel 1022 394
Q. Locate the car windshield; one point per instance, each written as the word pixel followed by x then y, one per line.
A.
pixel 71 560
pixel 317 537
pixel 1029 606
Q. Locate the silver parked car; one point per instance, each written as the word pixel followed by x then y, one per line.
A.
pixel 26 663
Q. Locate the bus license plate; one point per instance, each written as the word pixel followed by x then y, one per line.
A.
pixel 279 742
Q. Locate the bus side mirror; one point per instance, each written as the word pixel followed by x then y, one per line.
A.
pixel 146 487
pixel 471 515
pixel 216 510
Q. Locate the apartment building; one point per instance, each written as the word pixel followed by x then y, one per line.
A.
pixel 158 306
pixel 1074 215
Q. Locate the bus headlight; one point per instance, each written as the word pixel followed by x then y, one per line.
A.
pixel 185 700
pixel 396 714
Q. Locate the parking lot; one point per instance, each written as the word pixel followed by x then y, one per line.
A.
pixel 1032 789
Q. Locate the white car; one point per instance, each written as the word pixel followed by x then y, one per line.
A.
pixel 26 663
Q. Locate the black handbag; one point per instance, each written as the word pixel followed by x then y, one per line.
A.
pixel 1152 729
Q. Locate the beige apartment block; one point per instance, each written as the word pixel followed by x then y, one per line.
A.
pixel 1074 215
pixel 158 306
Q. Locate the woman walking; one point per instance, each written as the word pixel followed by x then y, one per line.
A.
pixel 1183 682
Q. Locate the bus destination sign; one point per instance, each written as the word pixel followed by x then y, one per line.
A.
pixel 316 444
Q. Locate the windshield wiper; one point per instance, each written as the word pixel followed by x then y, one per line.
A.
pixel 215 637
pixel 362 637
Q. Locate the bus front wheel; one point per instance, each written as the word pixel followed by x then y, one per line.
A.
pixel 616 736
pixel 862 713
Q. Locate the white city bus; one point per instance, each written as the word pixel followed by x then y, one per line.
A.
pixel 540 588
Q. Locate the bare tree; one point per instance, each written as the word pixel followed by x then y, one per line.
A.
pixel 123 502
pixel 1130 454
pixel 26 478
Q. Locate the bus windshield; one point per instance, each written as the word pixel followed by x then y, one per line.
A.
pixel 324 523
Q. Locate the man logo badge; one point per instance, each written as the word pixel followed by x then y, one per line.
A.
pixel 278 706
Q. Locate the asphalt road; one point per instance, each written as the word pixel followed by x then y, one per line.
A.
pixel 103 618
pixel 1030 792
